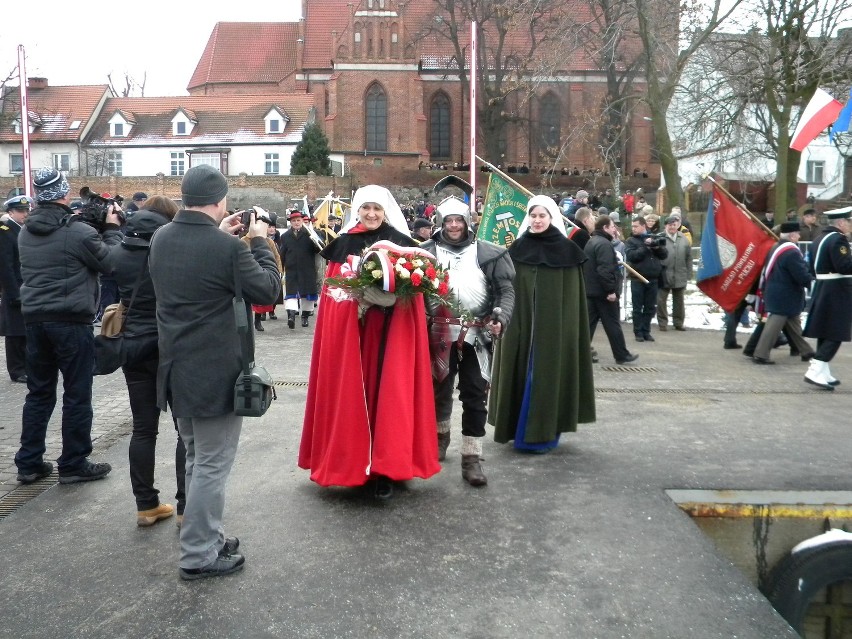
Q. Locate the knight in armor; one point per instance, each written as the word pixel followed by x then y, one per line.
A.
pixel 481 277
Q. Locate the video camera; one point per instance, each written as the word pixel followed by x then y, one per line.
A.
pixel 659 240
pixel 95 208
pixel 270 218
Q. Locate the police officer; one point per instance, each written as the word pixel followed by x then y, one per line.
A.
pixel 830 316
pixel 12 325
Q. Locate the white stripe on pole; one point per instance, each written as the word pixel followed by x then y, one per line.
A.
pixel 25 121
pixel 472 155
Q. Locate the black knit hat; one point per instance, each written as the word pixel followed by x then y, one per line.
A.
pixel 789 227
pixel 203 185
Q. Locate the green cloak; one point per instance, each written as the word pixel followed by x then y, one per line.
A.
pixel 551 321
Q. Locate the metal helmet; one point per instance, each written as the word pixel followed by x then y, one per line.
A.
pixel 452 206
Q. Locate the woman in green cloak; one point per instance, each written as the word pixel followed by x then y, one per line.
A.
pixel 542 383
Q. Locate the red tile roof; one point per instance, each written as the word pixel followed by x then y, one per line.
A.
pixel 221 119
pixel 55 109
pixel 247 52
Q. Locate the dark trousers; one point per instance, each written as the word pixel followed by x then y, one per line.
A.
pixel 826 349
pixel 142 388
pixel 16 356
pixel 608 314
pixel 53 347
pixel 731 322
pixel 644 306
pixel 473 391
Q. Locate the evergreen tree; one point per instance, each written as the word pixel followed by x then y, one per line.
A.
pixel 312 153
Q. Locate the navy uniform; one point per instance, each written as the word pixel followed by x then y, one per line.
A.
pixel 12 325
pixel 830 314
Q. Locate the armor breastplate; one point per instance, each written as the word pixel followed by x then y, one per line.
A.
pixel 467 281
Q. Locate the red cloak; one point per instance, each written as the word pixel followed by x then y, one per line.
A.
pixel 370 406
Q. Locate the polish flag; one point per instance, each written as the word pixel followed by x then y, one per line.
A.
pixel 821 111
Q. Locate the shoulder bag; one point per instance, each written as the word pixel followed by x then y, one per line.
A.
pixel 110 354
pixel 253 391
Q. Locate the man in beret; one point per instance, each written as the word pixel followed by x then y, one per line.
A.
pixel 298 254
pixel 61 257
pixel 421 230
pixel 192 268
pixel 830 314
pixel 11 319
pixel 809 228
pixel 138 200
pixel 677 272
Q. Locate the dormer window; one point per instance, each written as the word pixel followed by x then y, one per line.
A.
pixel 183 122
pixel 16 126
pixel 119 127
pixel 276 121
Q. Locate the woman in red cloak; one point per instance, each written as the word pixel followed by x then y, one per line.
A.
pixel 370 411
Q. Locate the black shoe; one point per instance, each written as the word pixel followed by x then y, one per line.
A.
pixel 221 566
pixel 29 477
pixel 731 347
pixel 384 489
pixel 305 319
pixel 630 358
pixel 291 319
pixel 20 379
pixel 761 360
pixel 662 327
pixel 639 338
pixel 648 338
pixel 808 357
pixel 231 546
pixel 89 472
pixel 680 328
pixel 273 316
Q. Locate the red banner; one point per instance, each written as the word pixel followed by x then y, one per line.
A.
pixel 733 251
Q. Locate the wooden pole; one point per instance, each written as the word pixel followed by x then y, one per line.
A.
pixel 763 226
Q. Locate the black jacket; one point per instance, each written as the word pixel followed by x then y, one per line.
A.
pixel 61 257
pixel 11 319
pixel 601 270
pixel 643 258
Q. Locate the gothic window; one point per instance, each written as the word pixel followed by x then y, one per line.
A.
pixel 549 119
pixel 377 119
pixel 439 127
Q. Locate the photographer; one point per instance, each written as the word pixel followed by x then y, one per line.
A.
pixel 645 253
pixel 61 257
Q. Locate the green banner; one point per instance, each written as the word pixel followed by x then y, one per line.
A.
pixel 503 211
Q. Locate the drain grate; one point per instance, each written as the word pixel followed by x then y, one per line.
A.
pixel 23 493
pixel 292 384
pixel 630 369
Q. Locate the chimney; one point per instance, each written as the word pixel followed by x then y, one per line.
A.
pixel 37 83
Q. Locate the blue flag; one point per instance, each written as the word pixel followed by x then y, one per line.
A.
pixel 710 264
pixel 841 124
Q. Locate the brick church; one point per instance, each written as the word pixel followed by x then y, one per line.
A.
pixel 386 89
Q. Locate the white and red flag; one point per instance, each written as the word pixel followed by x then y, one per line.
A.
pixel 821 111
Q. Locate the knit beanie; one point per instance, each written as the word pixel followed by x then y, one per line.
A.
pixel 50 184
pixel 203 185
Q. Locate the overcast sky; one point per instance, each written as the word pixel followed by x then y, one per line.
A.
pixel 82 42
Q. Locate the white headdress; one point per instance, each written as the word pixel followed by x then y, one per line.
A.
pixel 381 196
pixel 548 203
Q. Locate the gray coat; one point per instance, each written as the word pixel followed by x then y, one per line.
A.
pixel 678 262
pixel 191 264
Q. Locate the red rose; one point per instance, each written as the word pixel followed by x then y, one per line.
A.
pixel 416 279
pixel 443 288
pixel 446 276
pixel 408 266
pixel 430 272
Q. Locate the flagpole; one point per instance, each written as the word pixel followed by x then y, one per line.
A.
pixel 765 228
pixel 25 120
pixel 473 78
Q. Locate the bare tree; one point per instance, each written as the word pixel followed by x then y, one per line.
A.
pixel 131 88
pixel 521 43
pixel 671 32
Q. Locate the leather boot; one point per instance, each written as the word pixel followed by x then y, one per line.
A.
pixel 291 319
pixel 257 325
pixel 305 316
pixel 472 470
pixel 262 317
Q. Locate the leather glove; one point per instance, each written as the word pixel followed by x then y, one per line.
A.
pixel 378 297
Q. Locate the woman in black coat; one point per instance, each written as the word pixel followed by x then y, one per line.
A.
pixel 130 258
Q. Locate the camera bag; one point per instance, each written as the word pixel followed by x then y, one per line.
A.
pixel 254 390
